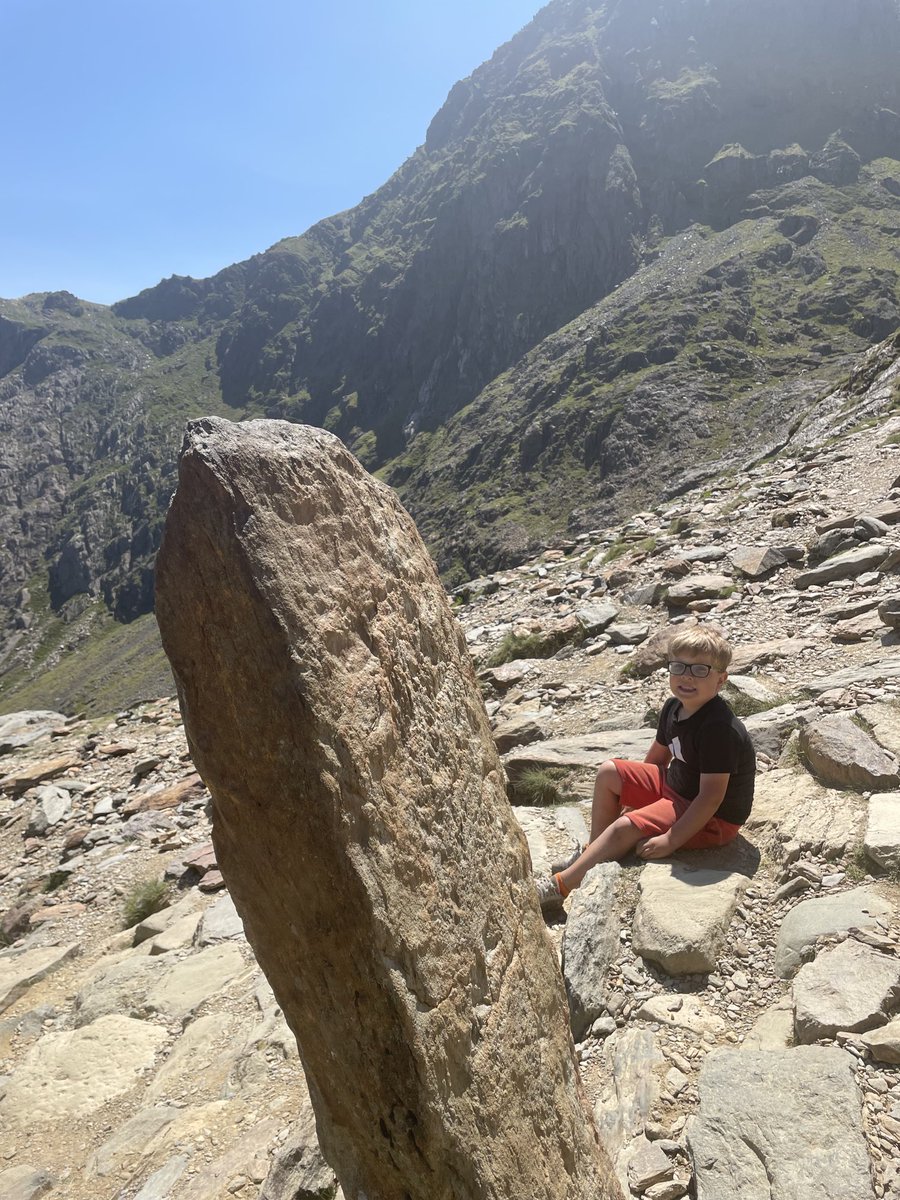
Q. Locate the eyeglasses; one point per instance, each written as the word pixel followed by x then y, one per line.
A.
pixel 698 670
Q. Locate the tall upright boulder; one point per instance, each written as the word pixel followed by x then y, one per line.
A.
pixel 362 826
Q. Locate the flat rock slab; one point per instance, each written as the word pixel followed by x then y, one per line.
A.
pixel 884 722
pixel 20 781
pixel 779 1126
pixel 158 922
pixel 683 915
pixel 74 1073
pixel 20 729
pixel 220 923
pixel 247 1155
pixel 845 566
pixel 882 839
pixel 773 1029
pixel 590 942
pixel 131 1140
pixel 24 1183
pixel 51 805
pixel 178 935
pixel 520 730
pixel 699 587
pixel 790 806
pixel 812 919
pixel 857 629
pixel 159 1185
pixel 843 755
pixel 882 670
pixel 200 1060
pixel 851 987
pixel 682 1012
pixel 141 985
pixel 583 750
pixel 19 969
pixel 770 730
pixel 757 561
pixel 634 1067
pixel 159 799
pixel 757 654
pixel 507 674
pixel 594 618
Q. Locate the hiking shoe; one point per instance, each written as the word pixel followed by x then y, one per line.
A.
pixel 564 863
pixel 549 895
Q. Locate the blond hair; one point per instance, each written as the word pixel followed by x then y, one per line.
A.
pixel 698 640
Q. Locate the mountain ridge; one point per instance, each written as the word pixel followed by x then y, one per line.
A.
pixel 587 153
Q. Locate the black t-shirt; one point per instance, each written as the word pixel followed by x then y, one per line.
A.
pixel 711 742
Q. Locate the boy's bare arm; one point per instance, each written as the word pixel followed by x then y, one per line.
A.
pixel 658 755
pixel 702 808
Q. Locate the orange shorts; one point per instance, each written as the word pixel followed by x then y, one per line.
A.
pixel 652 807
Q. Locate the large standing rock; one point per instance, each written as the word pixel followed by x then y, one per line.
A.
pixel 362 826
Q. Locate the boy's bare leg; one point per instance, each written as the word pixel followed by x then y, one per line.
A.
pixel 615 842
pixel 607 790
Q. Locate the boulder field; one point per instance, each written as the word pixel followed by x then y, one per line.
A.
pixel 719 1043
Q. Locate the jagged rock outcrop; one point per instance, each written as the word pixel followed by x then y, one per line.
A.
pixel 361 824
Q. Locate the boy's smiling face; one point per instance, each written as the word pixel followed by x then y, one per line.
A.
pixel 691 691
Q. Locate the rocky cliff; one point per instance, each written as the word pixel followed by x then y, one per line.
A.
pixel 642 240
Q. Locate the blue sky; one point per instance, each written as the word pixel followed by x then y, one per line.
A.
pixel 145 138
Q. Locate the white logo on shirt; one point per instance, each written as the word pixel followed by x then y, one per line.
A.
pixel 675 748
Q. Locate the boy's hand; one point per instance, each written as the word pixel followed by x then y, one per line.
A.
pixel 655 847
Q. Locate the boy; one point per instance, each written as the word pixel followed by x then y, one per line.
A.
pixel 694 788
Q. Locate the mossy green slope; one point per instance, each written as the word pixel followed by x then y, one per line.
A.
pixel 705 355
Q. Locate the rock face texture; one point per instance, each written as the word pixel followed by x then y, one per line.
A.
pixel 361 823
pixel 769 1138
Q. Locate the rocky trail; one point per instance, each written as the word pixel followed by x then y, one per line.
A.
pixel 736 1013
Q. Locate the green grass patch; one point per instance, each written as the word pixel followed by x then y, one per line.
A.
pixel 55 880
pixel 115 667
pixel 542 786
pixel 525 645
pixel 145 898
pixel 857 866
pixel 616 550
pixel 679 525
pixel 746 706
